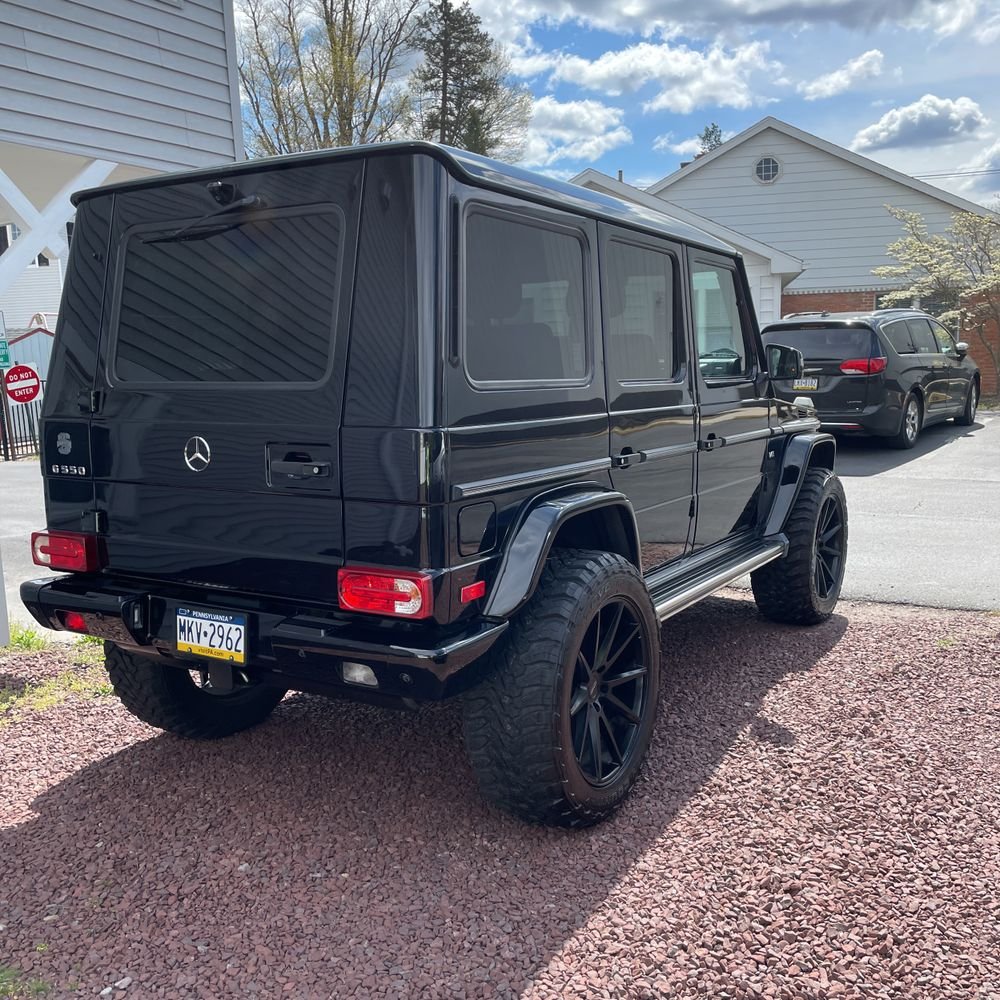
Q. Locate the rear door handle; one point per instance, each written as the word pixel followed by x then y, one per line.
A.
pixel 628 457
pixel 301 470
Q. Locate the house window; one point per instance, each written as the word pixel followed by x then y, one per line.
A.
pixel 15 233
pixel 767 170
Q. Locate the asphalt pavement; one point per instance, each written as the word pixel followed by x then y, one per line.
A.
pixel 924 523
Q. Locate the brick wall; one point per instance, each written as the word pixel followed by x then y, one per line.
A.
pixel 979 354
pixel 828 302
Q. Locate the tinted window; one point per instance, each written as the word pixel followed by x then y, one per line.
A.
pixel 524 302
pixel 639 313
pixel 946 345
pixel 251 302
pixel 825 344
pixel 898 334
pixel 920 334
pixel 718 335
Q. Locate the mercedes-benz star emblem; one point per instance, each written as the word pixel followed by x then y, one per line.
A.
pixel 197 454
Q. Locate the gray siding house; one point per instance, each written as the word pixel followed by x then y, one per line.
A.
pixel 94 92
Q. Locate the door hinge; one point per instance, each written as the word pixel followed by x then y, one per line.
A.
pixel 691 508
pixel 90 401
pixel 98 520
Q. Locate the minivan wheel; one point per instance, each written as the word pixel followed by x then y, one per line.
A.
pixel 176 700
pixel 559 729
pixel 802 588
pixel 968 416
pixel 909 427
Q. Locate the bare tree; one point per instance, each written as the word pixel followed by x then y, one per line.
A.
pixel 319 73
pixel 959 268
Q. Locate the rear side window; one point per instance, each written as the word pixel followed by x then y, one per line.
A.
pixel 920 334
pixel 230 302
pixel 898 334
pixel 640 315
pixel 525 319
pixel 722 349
pixel 832 343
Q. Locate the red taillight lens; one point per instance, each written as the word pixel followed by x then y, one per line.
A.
pixel 863 366
pixel 67 550
pixel 73 620
pixel 377 592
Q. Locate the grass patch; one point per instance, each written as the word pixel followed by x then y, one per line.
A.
pixel 88 651
pixel 25 639
pixel 946 642
pixel 14 986
pixel 90 682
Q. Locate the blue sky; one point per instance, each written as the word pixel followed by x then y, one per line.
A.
pixel 914 84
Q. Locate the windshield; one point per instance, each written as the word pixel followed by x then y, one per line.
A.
pixel 251 300
pixel 826 343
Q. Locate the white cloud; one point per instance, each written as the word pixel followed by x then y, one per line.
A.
pixel 573 130
pixel 685 78
pixel 686 147
pixel 862 67
pixel 931 121
pixel 508 21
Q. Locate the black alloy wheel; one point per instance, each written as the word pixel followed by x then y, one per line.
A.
pixel 609 693
pixel 830 538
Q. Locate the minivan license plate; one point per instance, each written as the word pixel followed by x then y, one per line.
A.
pixel 805 383
pixel 216 634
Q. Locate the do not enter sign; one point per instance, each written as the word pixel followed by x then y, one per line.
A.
pixel 22 383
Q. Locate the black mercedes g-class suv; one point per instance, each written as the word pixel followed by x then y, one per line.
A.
pixel 397 423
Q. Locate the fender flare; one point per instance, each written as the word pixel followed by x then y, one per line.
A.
pixel 802 452
pixel 532 537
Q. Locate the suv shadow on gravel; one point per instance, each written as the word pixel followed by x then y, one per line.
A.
pixel 400 423
pixel 331 830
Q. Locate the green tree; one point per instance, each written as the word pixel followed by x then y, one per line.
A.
pixel 710 138
pixel 959 268
pixel 462 92
pixel 319 73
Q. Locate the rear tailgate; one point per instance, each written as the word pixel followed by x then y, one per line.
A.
pixel 827 351
pixel 215 432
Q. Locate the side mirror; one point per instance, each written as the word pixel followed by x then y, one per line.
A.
pixel 784 362
pixel 963 348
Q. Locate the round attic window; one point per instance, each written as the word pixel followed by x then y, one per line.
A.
pixel 767 170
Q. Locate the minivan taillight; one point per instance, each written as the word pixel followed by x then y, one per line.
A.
pixel 863 366
pixel 381 592
pixel 68 550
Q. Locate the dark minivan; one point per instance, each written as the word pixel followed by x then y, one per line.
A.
pixel 886 373
pixel 399 423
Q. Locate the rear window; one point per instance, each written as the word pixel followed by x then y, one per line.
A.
pixel 836 343
pixel 230 301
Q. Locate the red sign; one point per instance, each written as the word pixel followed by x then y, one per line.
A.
pixel 22 383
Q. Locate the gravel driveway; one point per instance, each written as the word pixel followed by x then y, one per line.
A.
pixel 820 818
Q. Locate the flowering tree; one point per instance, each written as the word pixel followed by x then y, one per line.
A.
pixel 959 268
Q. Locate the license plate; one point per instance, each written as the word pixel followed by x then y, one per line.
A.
pixel 805 384
pixel 215 634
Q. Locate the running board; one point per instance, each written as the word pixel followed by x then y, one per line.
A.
pixel 676 595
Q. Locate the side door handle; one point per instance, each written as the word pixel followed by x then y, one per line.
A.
pixel 627 457
pixel 711 443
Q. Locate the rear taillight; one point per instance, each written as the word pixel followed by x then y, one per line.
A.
pixel 379 592
pixel 68 550
pixel 863 366
pixel 74 621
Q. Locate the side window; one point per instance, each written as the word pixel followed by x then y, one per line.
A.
pixel 639 314
pixel 898 334
pixel 945 342
pixel 722 348
pixel 923 339
pixel 525 319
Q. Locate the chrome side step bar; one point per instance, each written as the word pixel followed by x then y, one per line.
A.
pixel 671 601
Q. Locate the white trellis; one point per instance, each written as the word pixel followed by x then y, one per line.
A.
pixel 45 228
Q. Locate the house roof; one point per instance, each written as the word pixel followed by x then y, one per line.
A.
pixel 962 204
pixel 781 262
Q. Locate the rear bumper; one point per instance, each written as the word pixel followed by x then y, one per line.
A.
pixel 881 419
pixel 288 645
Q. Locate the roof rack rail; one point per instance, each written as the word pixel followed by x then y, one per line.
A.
pixel 896 309
pixel 811 312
